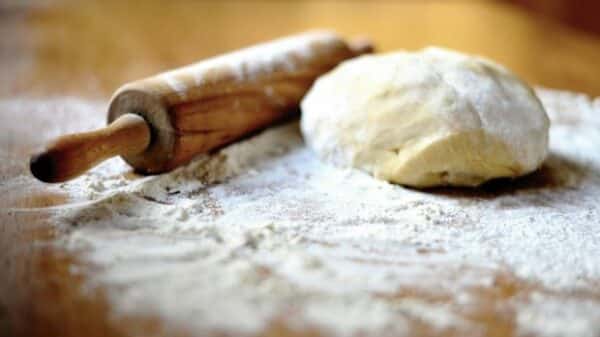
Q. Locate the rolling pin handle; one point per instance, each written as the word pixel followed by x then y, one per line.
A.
pixel 70 156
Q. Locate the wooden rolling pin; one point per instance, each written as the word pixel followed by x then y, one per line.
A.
pixel 161 122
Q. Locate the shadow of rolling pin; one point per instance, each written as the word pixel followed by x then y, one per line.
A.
pixel 162 122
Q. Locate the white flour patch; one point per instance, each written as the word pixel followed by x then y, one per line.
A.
pixel 547 316
pixel 264 232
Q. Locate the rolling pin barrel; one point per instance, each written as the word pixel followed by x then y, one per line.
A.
pixel 204 106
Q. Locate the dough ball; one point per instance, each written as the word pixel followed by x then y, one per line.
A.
pixel 427 118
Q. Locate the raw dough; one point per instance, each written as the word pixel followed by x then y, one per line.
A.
pixel 426 118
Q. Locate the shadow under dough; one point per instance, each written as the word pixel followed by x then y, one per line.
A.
pixel 557 172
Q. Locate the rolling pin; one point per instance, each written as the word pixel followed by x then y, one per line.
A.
pixel 159 123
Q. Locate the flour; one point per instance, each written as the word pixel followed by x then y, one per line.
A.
pixel 263 232
pixel 548 316
pixel 253 63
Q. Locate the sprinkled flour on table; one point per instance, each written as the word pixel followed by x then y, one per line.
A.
pixel 263 232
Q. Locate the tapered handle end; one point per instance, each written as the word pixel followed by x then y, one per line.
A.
pixel 72 155
pixel 43 167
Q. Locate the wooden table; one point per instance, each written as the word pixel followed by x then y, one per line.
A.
pixel 86 49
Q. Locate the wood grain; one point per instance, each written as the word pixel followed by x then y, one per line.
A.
pixel 206 105
pixel 162 122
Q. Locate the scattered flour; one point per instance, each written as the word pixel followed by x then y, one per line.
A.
pixel 263 232
pixel 559 317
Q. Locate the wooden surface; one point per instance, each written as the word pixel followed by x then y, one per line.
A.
pixel 87 49
pixel 91 48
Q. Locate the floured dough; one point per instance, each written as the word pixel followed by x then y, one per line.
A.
pixel 426 118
